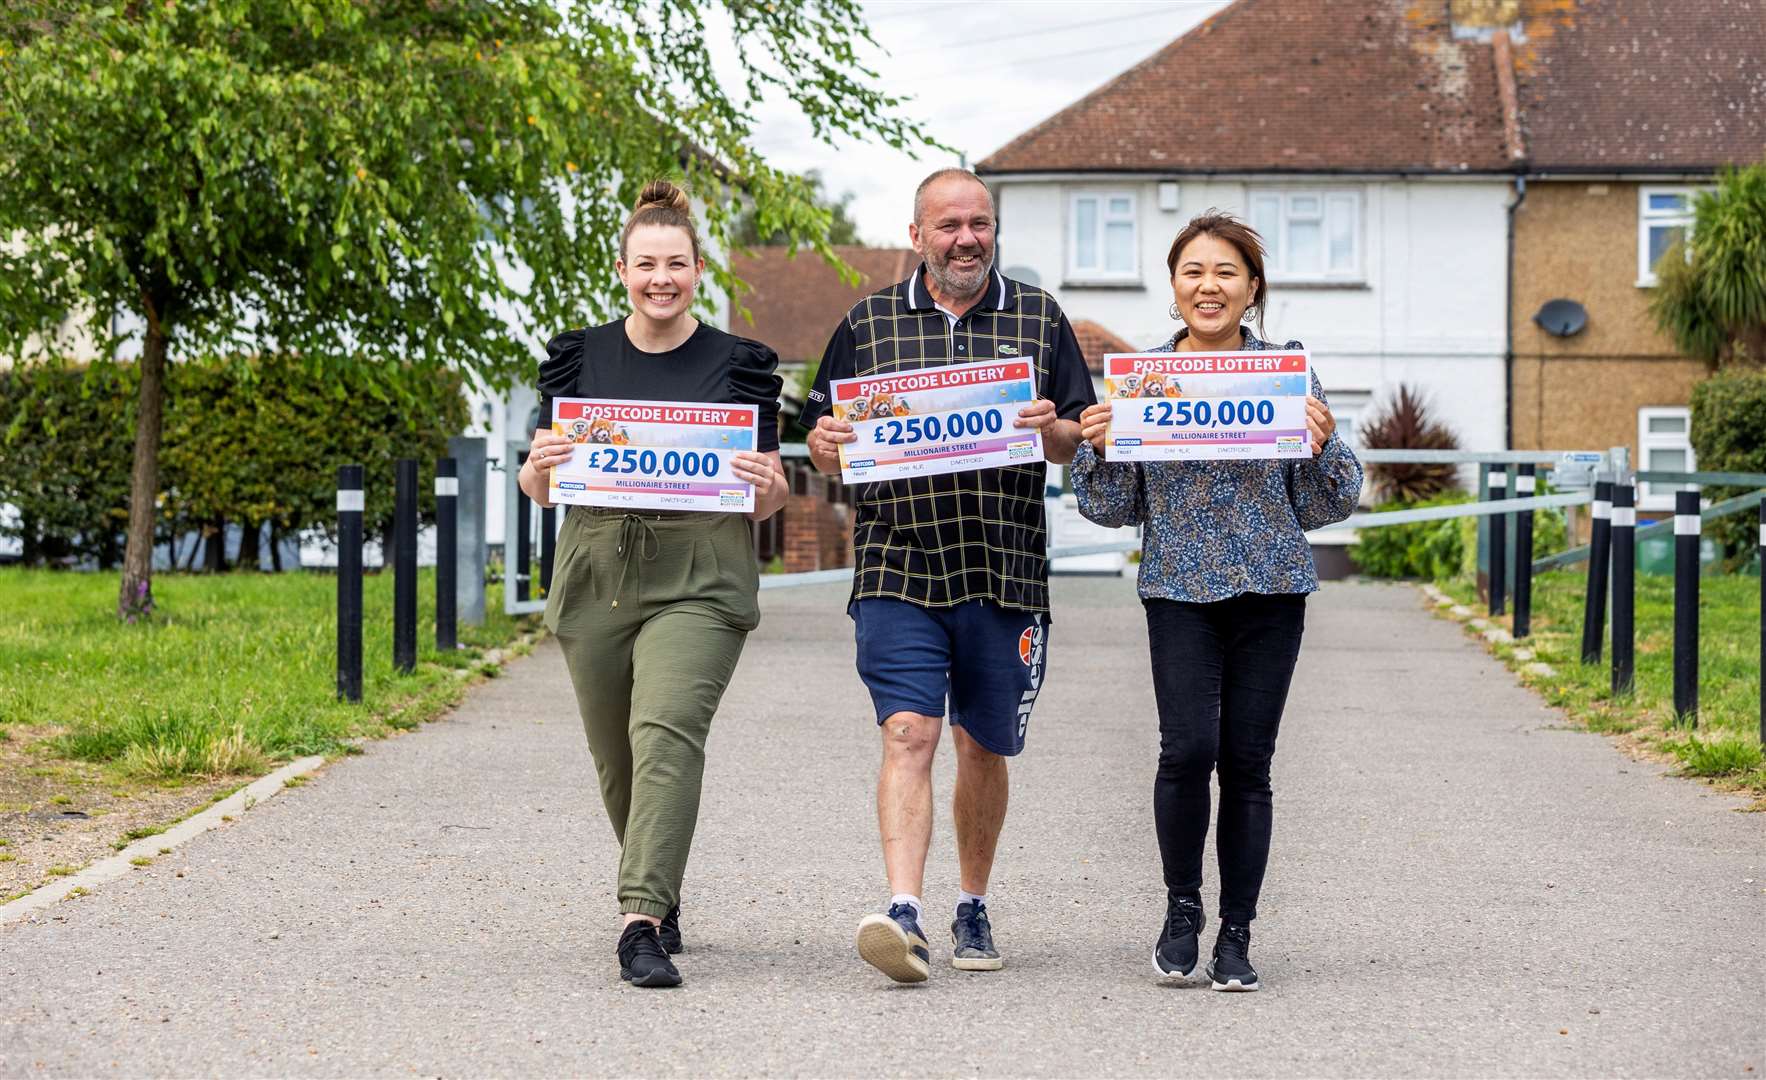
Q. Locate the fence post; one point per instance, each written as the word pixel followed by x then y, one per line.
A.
pixel 1686 606
pixel 1498 542
pixel 548 546
pixel 1524 487
pixel 1600 540
pixel 447 533
pixel 1624 587
pixel 404 568
pixel 523 526
pixel 349 583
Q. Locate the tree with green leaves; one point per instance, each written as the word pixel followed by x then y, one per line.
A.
pixel 1711 292
pixel 841 228
pixel 367 181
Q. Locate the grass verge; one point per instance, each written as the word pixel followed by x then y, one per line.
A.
pixel 1725 744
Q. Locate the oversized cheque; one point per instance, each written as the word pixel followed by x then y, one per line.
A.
pixel 1190 406
pixel 653 455
pixel 945 419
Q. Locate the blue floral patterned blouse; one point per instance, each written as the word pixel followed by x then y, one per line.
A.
pixel 1216 529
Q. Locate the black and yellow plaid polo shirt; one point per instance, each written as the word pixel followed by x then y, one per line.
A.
pixel 980 535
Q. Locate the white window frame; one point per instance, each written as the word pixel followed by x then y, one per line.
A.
pixel 1100 272
pixel 1661 496
pixel 1332 203
pixel 1648 219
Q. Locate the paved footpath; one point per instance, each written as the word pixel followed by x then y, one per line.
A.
pixel 1460 886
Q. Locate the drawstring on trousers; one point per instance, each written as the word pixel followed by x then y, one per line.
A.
pixel 636 537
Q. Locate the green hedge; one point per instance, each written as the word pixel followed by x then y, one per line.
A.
pixel 1729 435
pixel 1438 550
pixel 246 441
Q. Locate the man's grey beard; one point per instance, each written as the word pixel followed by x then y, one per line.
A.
pixel 958 286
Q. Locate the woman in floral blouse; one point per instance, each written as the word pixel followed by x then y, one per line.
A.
pixel 1224 573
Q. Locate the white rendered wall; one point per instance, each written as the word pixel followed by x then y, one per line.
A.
pixel 1429 310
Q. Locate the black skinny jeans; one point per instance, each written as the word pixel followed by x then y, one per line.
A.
pixel 1220 678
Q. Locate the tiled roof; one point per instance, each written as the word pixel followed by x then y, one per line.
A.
pixel 1290 86
pixel 797 302
pixel 1642 85
pixel 1095 341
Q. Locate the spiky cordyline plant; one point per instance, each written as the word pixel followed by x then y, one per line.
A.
pixel 1404 423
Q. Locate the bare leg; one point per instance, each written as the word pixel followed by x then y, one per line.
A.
pixel 904 798
pixel 979 808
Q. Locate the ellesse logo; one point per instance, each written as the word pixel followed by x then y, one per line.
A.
pixel 1027 645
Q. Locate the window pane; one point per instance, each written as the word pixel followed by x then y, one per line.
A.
pixel 1085 234
pixel 1663 459
pixel 1671 201
pixel 1341 225
pixel 1119 247
pixel 1667 423
pixel 1266 218
pixel 1305 247
pixel 1303 206
pixel 1661 238
pixel 1121 207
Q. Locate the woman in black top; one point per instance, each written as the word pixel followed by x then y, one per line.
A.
pixel 652 607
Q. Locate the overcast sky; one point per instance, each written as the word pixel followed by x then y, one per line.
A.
pixel 980 72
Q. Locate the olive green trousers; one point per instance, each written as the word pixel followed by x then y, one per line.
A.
pixel 652 609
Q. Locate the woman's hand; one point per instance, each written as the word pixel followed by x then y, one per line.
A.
pixel 547 450
pixel 1319 423
pixel 1094 422
pixel 756 469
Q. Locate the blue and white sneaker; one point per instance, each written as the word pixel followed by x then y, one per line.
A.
pixel 893 944
pixel 971 938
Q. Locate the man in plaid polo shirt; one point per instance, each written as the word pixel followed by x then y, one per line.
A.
pixel 950 598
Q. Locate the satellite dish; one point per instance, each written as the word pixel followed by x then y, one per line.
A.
pixel 1561 318
pixel 1024 274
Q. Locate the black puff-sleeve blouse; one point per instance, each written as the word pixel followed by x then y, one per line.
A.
pixel 710 366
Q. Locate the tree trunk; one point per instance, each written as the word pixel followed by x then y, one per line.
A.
pixel 135 598
pixel 214 554
pixel 275 550
pixel 248 547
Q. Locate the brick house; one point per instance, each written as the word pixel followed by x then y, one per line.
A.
pixel 1625 109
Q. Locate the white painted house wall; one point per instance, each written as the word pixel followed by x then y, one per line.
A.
pixel 1424 304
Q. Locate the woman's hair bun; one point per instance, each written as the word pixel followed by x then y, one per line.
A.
pixel 662 193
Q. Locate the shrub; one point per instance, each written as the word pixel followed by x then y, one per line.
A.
pixel 1404 423
pixel 246 441
pixel 1713 305
pixel 1729 435
pixel 1438 550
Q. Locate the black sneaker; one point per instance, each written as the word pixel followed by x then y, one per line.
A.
pixel 1231 967
pixel 669 933
pixel 971 938
pixel 1174 957
pixel 641 959
pixel 893 944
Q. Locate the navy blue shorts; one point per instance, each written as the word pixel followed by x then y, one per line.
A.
pixel 986 660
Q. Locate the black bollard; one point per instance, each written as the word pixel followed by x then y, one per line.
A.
pixel 1498 542
pixel 1524 487
pixel 1624 588
pixel 548 546
pixel 1763 623
pixel 447 524
pixel 349 583
pixel 1600 541
pixel 1686 606
pixel 404 568
pixel 523 525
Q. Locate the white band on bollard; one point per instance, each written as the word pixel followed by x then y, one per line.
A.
pixel 1624 517
pixel 1686 524
pixel 1603 511
pixel 1762 544
pixel 1524 484
pixel 447 485
pixel 1499 479
pixel 348 500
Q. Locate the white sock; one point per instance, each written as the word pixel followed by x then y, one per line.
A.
pixel 910 901
pixel 966 897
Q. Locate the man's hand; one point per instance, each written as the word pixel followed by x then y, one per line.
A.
pixel 1039 414
pixel 824 444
